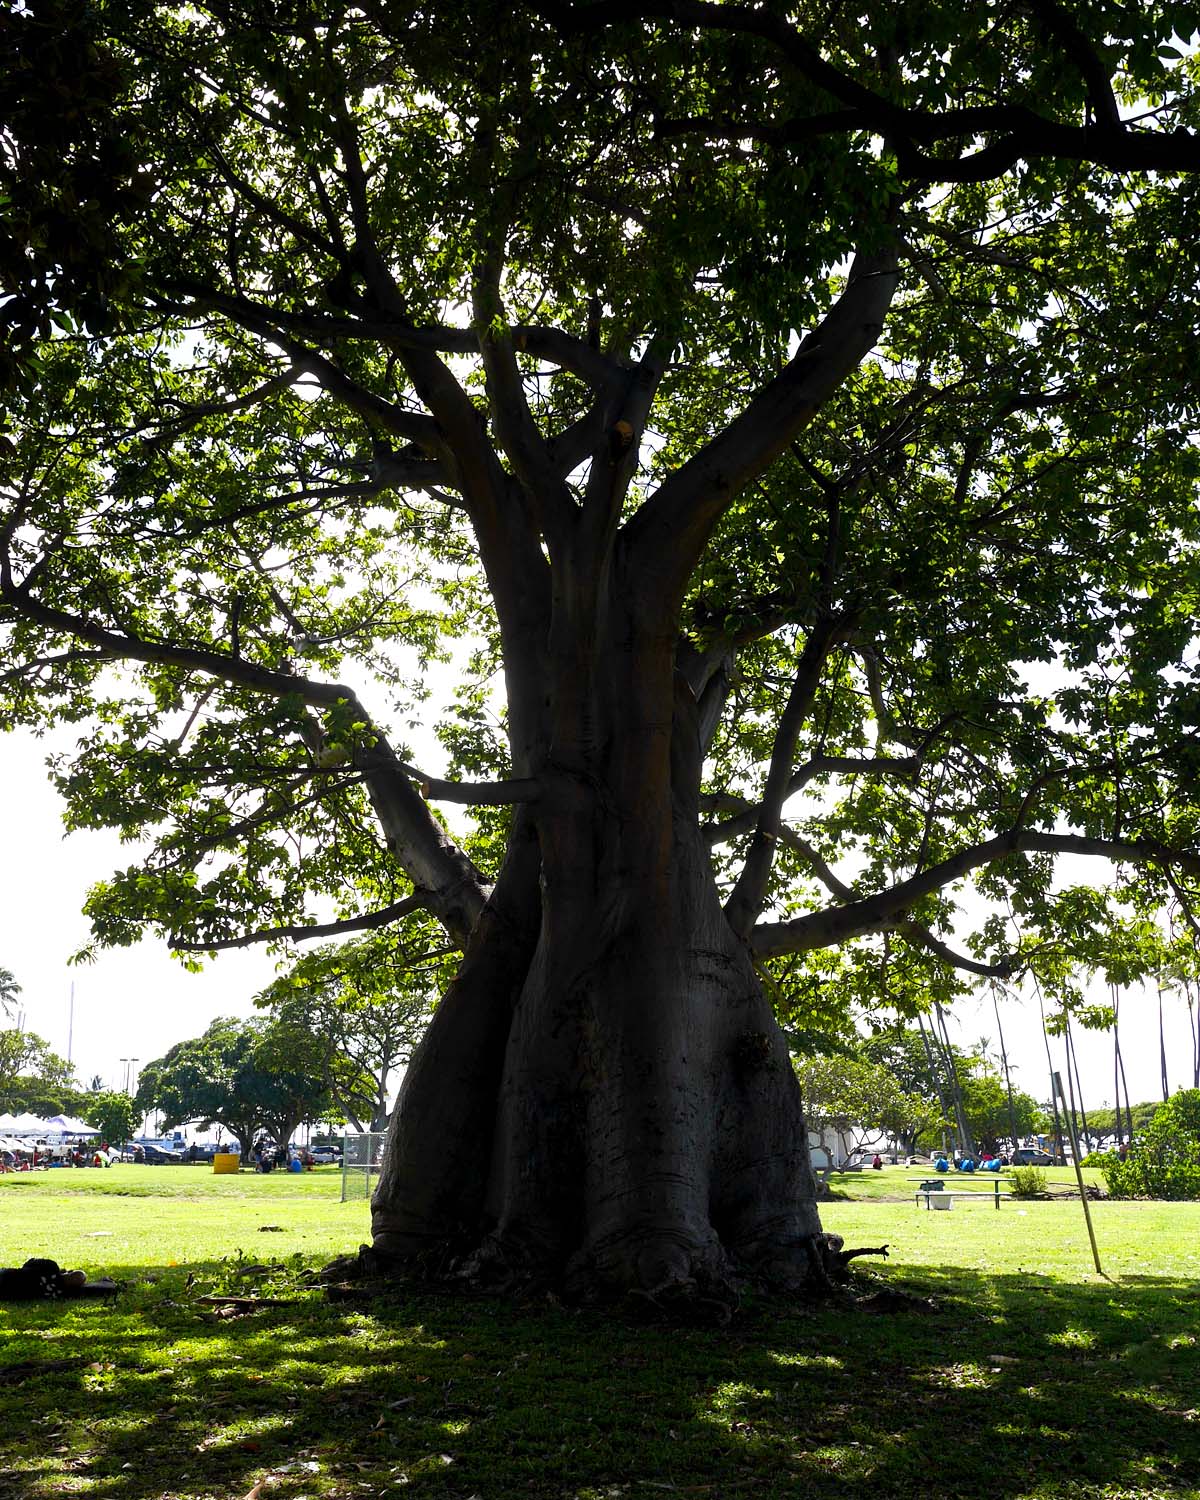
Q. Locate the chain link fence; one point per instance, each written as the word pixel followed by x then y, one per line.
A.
pixel 361 1158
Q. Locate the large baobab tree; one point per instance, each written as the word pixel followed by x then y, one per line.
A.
pixel 761 390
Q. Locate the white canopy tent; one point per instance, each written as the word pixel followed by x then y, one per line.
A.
pixel 68 1125
pixel 34 1125
pixel 27 1125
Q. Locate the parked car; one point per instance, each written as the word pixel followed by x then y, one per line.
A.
pixel 157 1156
pixel 325 1156
pixel 1030 1156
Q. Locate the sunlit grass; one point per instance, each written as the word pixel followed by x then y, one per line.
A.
pixel 1031 1377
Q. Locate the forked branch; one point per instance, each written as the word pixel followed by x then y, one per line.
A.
pixel 837 924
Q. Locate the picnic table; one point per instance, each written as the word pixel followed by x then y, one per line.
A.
pixel 935 1189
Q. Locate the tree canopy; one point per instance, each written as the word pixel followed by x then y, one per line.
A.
pixel 783 418
pixel 248 1077
pixel 1164 1157
pixel 33 1077
pixel 113 1114
pixel 847 1092
pixel 242 489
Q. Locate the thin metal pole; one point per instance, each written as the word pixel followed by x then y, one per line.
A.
pixel 1083 1198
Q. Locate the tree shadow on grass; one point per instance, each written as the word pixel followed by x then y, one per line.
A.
pixel 1015 1385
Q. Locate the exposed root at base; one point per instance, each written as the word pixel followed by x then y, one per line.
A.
pixel 705 1296
pixel 684 1302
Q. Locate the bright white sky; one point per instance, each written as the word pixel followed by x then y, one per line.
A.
pixel 133 1002
pixel 137 1002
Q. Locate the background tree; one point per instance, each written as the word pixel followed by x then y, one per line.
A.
pixel 9 990
pixel 17 1050
pixel 33 1077
pixel 287 1078
pixel 981 1087
pixel 851 1093
pixel 247 1076
pixel 113 1114
pixel 1113 1126
pixel 579 309
pixel 987 1104
pixel 206 1079
pixel 365 1005
pixel 1164 1159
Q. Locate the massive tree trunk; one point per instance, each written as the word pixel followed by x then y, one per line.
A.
pixel 604 1101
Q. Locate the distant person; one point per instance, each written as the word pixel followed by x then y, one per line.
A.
pixel 877 1162
pixel 941 1165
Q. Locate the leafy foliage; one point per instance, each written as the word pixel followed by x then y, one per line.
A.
pixel 245 1076
pixel 1164 1160
pixel 366 1005
pixel 32 1076
pixel 113 1114
pixel 9 990
pixel 1026 1182
pixel 304 386
pixel 848 1091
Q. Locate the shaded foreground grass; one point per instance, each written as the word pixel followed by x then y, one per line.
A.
pixel 1033 1377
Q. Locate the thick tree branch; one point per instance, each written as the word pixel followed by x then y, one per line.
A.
pixel 824 929
pixel 1020 133
pixel 235 670
pixel 455 889
pixel 1061 25
pixel 474 793
pixel 923 938
pixel 37 664
pixel 551 500
pixel 189 416
pixel 551 346
pixel 746 814
pixel 623 417
pixel 746 899
pixel 304 933
pixel 666 536
pixel 269 324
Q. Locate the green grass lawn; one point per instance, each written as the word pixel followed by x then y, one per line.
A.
pixel 1032 1377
